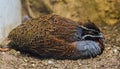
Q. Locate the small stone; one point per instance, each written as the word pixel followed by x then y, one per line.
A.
pixel 50 62
pixel 79 64
pixel 25 60
pixel 33 65
pixel 3 53
pixel 115 51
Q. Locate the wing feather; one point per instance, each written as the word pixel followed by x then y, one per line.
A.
pixel 45 35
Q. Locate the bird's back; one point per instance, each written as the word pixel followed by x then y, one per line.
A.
pixel 43 35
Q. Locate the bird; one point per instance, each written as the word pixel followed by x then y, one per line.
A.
pixel 57 37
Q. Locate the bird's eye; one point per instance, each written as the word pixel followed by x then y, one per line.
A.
pixel 93 32
pixel 96 32
pixel 90 32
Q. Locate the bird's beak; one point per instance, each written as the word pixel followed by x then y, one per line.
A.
pixel 102 38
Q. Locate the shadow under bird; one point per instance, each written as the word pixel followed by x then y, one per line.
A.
pixel 56 37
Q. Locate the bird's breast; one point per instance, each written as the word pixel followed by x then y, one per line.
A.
pixel 87 48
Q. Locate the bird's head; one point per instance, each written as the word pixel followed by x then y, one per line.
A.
pixel 89 40
pixel 89 31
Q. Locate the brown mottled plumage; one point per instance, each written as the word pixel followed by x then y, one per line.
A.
pixel 49 35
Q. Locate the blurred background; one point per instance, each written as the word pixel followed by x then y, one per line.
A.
pixel 99 11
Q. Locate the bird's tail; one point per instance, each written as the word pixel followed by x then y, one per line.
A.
pixel 4 44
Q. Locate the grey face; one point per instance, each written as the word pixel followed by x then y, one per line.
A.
pixel 91 34
pixel 84 33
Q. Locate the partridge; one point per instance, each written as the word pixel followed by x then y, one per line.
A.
pixel 57 37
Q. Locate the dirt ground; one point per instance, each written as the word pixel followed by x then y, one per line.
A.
pixel 110 59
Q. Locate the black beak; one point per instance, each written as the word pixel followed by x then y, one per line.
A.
pixel 102 38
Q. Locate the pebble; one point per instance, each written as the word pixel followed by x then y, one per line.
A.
pixel 50 62
pixel 25 60
pixel 33 65
pixel 3 53
pixel 116 51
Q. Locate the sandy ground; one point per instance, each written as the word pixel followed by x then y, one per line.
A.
pixel 110 59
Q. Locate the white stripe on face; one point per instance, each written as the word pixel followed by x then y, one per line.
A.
pixel 99 36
